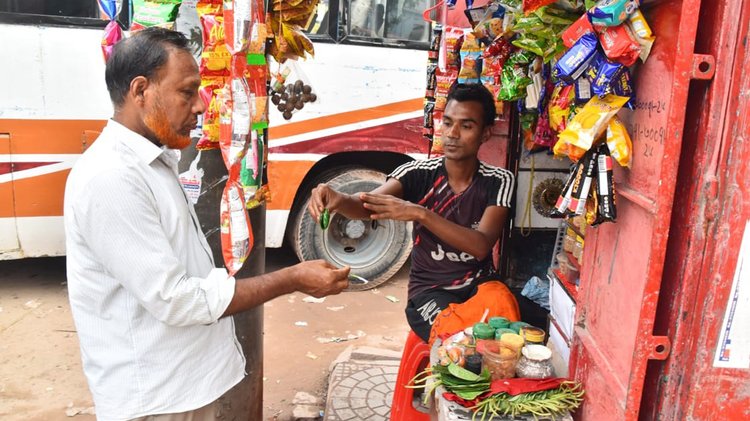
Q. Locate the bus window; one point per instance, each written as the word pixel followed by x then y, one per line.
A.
pixel 386 21
pixel 79 9
pixel 58 12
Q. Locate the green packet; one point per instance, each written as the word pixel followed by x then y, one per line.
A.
pixel 147 13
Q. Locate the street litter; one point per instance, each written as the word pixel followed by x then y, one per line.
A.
pixel 314 300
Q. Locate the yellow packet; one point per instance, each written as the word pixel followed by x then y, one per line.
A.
pixel 591 121
pixel 639 27
pixel 619 143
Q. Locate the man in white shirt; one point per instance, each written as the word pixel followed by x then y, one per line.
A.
pixel 149 306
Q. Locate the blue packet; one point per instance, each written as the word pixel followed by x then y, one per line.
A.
pixel 576 60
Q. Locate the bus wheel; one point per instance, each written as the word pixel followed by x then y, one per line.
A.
pixel 375 250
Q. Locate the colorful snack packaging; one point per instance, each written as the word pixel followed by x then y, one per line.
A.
pixel 607 74
pixel 582 183
pixel 259 102
pixel 112 35
pixel 471 55
pixel 531 5
pixel 578 29
pixel 235 229
pixel 494 89
pixel 642 32
pixel 428 122
pixel 513 83
pixel 444 81
pixel 619 143
pixel 209 92
pixel 431 80
pixel 606 209
pixel 543 134
pixel 437 39
pixel 619 45
pixel 147 13
pixel 238 16
pixel 576 60
pixel 215 57
pixel 623 86
pixel 235 122
pixel 591 121
pixel 612 12
pixel 492 67
pixel 561 206
pixel 490 25
pixel 500 49
pixel 450 57
pixel 559 107
pixel 437 137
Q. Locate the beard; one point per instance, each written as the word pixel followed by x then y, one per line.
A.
pixel 158 123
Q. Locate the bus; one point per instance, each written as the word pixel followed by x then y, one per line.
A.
pixel 368 74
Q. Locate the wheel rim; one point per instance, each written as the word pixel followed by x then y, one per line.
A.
pixel 357 243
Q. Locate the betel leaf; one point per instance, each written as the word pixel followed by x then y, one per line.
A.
pixel 462 373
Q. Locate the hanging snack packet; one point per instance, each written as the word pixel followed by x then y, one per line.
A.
pixel 215 57
pixel 513 83
pixel 618 142
pixel 471 55
pixel 437 39
pixel 431 80
pixel 428 121
pixel 208 92
pixel 492 67
pixel 235 122
pixel 582 183
pixel 543 134
pixel 607 74
pixel 450 57
pixel 642 32
pixel 559 107
pixel 612 12
pixel 576 60
pixel 147 13
pixel 619 44
pixel 561 206
pixel 238 25
pixel 583 90
pixel 578 29
pixel 591 121
pixel 112 32
pixel 443 81
pixel 235 230
pixel 531 5
pixel 500 49
pixel 606 210
pixel 437 137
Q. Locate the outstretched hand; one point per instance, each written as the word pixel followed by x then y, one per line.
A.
pixel 384 206
pixel 320 278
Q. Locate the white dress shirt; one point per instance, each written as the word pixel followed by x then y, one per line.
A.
pixel 144 292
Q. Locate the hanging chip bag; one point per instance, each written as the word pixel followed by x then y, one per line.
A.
pixel 148 13
pixel 619 143
pixel 591 121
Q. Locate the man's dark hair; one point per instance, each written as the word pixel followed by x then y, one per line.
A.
pixel 140 55
pixel 463 92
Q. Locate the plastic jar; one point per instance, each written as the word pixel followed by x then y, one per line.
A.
pixel 532 335
pixel 535 362
pixel 499 322
pixel 498 359
pixel 483 331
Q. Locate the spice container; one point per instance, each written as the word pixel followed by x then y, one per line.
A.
pixel 535 362
pixel 512 341
pixel 483 331
pixel 499 332
pixel 532 335
pixel 499 322
pixel 498 359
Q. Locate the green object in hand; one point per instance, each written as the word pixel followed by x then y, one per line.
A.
pixel 325 219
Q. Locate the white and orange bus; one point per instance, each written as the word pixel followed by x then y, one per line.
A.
pixel 368 73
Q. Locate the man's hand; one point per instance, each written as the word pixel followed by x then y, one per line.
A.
pixel 320 278
pixel 324 197
pixel 384 206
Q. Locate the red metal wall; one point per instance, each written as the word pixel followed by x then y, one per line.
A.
pixel 711 209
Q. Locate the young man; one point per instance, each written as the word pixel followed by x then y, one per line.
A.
pixel 458 204
pixel 149 306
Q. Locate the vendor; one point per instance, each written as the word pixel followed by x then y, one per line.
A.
pixel 459 206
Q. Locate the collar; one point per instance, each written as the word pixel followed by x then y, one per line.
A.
pixel 141 147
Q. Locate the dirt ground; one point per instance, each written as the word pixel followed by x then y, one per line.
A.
pixel 40 366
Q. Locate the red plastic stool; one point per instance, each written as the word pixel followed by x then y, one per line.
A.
pixel 416 355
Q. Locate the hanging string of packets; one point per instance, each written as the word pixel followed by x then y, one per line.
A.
pixel 567 67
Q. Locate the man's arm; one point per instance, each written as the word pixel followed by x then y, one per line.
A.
pixel 349 205
pixel 317 278
pixel 477 242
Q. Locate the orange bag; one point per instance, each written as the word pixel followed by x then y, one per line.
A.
pixel 493 296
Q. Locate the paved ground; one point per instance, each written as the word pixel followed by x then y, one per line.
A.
pixel 40 369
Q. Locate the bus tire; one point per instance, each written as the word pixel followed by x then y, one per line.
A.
pixel 375 250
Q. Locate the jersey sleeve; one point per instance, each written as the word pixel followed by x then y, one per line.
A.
pixel 501 188
pixel 412 178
